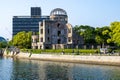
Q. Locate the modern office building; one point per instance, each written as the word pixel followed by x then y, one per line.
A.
pixel 35 11
pixel 28 23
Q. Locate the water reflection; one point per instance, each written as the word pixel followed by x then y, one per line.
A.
pixel 5 68
pixel 56 72
pixel 23 69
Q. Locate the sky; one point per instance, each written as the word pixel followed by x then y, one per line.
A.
pixel 95 13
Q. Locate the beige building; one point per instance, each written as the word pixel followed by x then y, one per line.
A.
pixel 56 32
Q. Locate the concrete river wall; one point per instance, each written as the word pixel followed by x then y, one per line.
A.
pixel 106 60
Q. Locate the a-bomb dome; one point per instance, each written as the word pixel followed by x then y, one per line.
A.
pixel 58 11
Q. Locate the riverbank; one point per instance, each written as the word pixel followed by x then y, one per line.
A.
pixel 104 60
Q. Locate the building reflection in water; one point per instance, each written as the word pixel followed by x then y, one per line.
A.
pixel 23 69
pixel 39 70
pixel 56 72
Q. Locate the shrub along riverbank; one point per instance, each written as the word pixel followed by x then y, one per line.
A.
pixel 64 51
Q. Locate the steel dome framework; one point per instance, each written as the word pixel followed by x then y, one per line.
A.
pixel 58 11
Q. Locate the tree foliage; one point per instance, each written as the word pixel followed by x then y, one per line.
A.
pixel 22 39
pixel 115 33
pixel 91 35
pixel 102 35
pixel 3 44
pixel 87 32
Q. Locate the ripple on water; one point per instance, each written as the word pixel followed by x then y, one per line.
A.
pixel 23 69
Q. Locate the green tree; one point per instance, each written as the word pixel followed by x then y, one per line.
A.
pixel 22 39
pixel 87 32
pixel 3 44
pixel 115 33
pixel 102 35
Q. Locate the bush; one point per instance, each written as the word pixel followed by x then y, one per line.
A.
pixel 87 51
pixel 117 51
pixel 66 51
pixel 37 51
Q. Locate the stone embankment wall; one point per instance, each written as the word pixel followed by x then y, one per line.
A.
pixel 107 60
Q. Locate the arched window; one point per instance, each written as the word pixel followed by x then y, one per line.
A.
pixel 48 39
pixel 41 31
pixel 58 25
pixel 69 30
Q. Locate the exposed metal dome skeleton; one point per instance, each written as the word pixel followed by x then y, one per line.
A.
pixel 58 11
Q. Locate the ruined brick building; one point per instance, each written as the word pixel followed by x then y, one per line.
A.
pixel 56 32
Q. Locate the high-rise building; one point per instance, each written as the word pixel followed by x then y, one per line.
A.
pixel 28 23
pixel 35 11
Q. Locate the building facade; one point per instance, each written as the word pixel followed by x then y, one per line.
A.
pixel 35 11
pixel 56 32
pixel 28 23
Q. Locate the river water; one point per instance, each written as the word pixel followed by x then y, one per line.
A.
pixel 24 69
